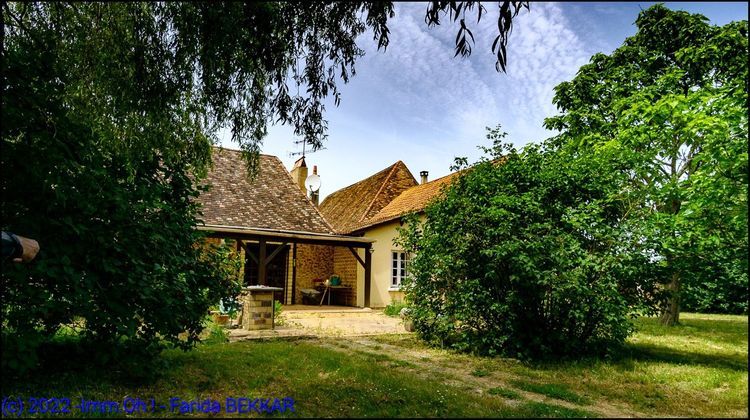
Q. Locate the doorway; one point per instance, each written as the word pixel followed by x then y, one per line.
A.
pixel 275 269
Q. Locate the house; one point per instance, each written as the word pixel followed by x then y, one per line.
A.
pixel 372 208
pixel 286 241
pixel 283 239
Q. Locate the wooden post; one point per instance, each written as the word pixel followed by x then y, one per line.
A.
pixel 262 263
pixel 294 271
pixel 368 268
pixel 241 252
pixel 354 252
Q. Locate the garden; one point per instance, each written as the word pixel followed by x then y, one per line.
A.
pixel 601 272
pixel 698 369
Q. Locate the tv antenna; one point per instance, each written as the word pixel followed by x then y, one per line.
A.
pixel 304 151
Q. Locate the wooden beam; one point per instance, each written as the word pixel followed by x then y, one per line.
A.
pixel 252 256
pixel 288 239
pixel 275 252
pixel 368 269
pixel 357 256
pixel 262 263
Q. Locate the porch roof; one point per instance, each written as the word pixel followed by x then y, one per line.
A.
pixel 244 233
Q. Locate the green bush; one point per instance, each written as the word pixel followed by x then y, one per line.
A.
pixel 718 282
pixel 394 308
pixel 526 256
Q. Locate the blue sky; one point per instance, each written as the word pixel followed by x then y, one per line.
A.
pixel 418 104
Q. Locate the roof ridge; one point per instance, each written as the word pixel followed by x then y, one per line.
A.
pixel 240 151
pixel 360 181
pixel 305 195
pixel 438 179
pixel 385 181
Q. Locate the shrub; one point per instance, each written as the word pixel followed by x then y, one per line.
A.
pixel 394 308
pixel 214 332
pixel 278 308
pixel 718 281
pixel 526 256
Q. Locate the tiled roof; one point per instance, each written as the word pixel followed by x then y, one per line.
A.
pixel 271 200
pixel 413 199
pixel 349 207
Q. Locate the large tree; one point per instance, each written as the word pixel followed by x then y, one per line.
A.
pixel 672 102
pixel 109 111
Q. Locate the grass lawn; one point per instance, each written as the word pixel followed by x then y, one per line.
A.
pixel 696 369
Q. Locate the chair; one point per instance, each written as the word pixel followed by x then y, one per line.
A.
pixel 310 296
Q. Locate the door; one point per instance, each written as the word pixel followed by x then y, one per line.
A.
pixel 275 269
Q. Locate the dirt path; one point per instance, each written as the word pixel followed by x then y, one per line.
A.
pixel 434 364
pixel 346 323
pixel 325 324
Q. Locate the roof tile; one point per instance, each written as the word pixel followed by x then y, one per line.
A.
pixel 271 200
pixel 349 207
pixel 411 200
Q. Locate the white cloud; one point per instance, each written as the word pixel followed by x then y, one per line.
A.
pixel 417 103
pixel 543 52
pixel 419 81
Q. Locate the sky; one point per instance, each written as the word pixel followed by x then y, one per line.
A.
pixel 416 103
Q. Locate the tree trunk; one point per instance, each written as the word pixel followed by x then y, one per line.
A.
pixel 670 315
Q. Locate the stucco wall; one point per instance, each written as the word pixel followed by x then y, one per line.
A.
pixel 380 292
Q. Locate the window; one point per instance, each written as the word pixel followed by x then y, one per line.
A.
pixel 399 270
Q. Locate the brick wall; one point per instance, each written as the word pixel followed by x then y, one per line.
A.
pixel 257 311
pixel 313 261
pixel 345 265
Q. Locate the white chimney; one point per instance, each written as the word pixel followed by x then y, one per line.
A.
pixel 424 174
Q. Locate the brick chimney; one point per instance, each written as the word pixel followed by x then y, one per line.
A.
pixel 299 173
pixel 424 174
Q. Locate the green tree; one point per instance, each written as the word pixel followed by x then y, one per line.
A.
pixel 526 254
pixel 109 111
pixel 672 102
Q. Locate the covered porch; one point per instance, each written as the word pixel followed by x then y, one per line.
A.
pixel 299 309
pixel 300 262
